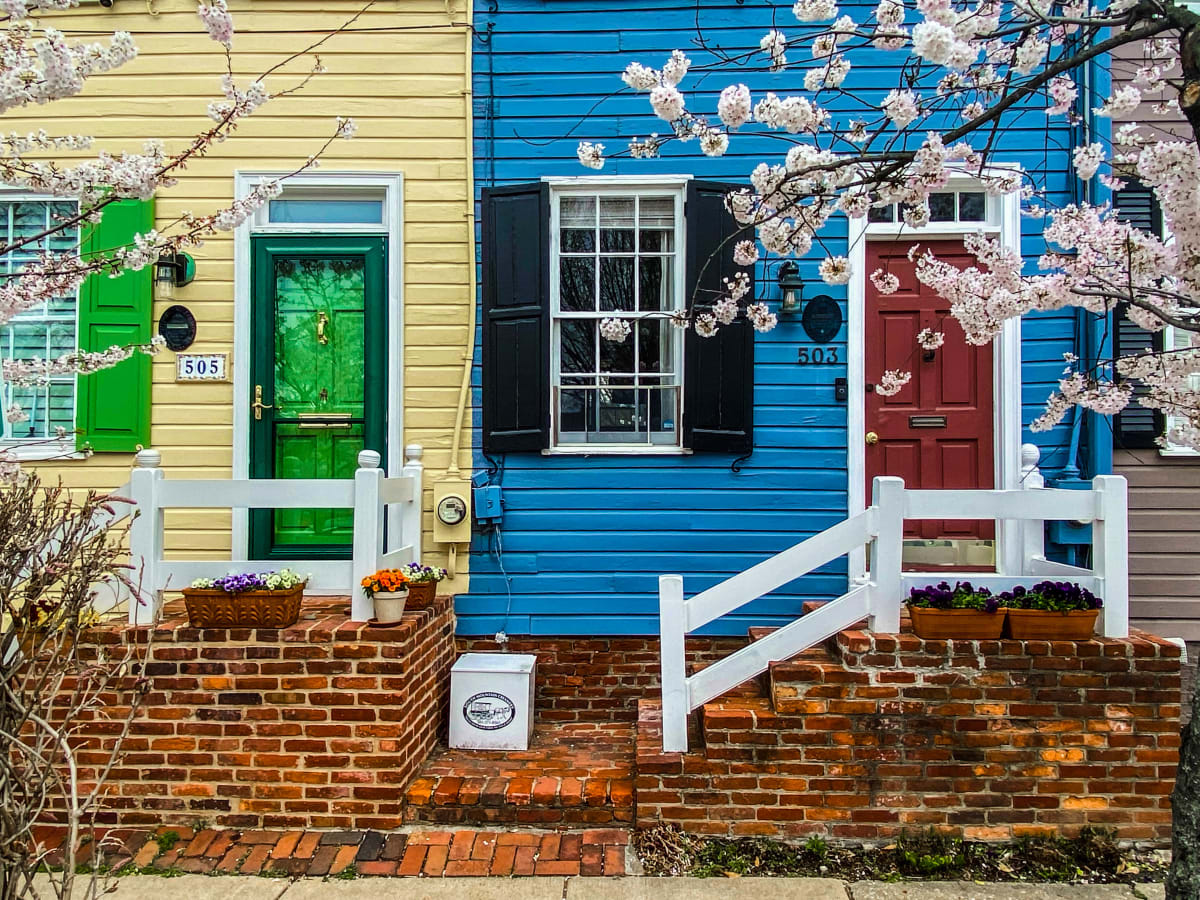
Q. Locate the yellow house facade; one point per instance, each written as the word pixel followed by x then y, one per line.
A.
pixel 339 317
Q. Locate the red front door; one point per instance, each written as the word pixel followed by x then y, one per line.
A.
pixel 937 431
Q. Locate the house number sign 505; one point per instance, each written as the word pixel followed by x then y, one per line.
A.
pixel 202 367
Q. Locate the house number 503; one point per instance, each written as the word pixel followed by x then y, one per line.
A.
pixel 818 356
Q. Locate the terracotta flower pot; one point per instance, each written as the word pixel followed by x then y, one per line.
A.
pixel 389 606
pixel 422 593
pixel 956 624
pixel 1040 624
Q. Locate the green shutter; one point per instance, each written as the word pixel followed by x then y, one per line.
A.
pixel 113 410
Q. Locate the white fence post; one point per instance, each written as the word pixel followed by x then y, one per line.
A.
pixel 672 629
pixel 368 532
pixel 1033 531
pixel 410 516
pixel 145 537
pixel 887 495
pixel 1110 552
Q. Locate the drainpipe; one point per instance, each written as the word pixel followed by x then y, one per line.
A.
pixel 1098 84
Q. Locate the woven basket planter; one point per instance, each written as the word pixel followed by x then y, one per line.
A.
pixel 956 624
pixel 211 608
pixel 422 594
pixel 1043 625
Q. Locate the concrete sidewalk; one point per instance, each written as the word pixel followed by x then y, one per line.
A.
pixel 203 887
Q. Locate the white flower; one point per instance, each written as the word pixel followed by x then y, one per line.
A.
pixel 933 41
pixel 15 414
pixel 814 10
pixel 591 155
pixel 1087 159
pixel 615 330
pixel 902 107
pixel 891 382
pixel 835 270
pixel 676 67
pixel 1125 100
pixel 761 317
pixel 706 325
pixel 714 143
pixel 745 253
pixel 885 282
pixel 734 106
pixel 667 102
pixel 346 128
pixel 930 339
pixel 725 310
pixel 774 44
pixel 639 77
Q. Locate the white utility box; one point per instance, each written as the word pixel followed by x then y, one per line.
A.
pixel 491 701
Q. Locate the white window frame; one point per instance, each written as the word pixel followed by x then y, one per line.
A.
pixel 673 187
pixel 1170 449
pixel 49 448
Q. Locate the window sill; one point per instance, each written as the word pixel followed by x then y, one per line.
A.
pixel 594 450
pixel 42 451
pixel 1179 453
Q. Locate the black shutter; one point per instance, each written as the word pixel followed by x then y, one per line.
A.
pixel 516 318
pixel 1136 426
pixel 718 372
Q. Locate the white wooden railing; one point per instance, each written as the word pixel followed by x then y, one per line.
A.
pixel 369 494
pixel 878 596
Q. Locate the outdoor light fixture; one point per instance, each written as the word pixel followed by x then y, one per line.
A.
pixel 173 270
pixel 792 286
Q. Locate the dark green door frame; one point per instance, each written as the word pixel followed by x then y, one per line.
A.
pixel 267 253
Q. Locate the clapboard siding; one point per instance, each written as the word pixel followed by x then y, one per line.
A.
pixel 1164 535
pixel 584 539
pixel 400 71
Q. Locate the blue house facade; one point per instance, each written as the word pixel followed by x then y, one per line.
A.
pixel 667 453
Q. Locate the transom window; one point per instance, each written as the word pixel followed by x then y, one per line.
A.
pixel 944 206
pixel 45 331
pixel 617 255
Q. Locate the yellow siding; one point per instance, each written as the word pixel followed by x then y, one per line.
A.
pixel 400 71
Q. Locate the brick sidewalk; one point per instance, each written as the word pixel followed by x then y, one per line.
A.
pixel 370 853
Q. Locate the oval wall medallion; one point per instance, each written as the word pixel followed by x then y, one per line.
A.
pixel 489 711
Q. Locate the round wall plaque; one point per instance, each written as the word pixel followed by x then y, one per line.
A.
pixel 177 326
pixel 489 711
pixel 822 318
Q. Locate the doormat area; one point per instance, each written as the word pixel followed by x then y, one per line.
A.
pixel 352 854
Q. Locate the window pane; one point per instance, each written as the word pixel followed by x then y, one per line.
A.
pixel 971 206
pixel 60 409
pixel 66 238
pixel 577 240
pixel 29 399
pixel 618 413
pixel 29 218
pixel 616 357
pixel 655 346
pixel 882 213
pixel 578 345
pixel 616 224
pixel 576 410
pixel 577 224
pixel 941 207
pixel 616 283
pixel 657 283
pixel 577 284
pixel 660 414
pixel 331 211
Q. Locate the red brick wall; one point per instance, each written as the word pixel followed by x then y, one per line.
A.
pixel 990 739
pixel 319 725
pixel 598 679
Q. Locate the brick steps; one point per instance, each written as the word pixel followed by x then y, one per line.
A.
pixel 577 774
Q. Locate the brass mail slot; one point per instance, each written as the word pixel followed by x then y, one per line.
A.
pixel 926 421
pixel 324 420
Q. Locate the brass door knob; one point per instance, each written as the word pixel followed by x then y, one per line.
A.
pixel 871 438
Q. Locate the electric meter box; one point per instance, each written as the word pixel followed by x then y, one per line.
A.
pixel 452 511
pixel 491 701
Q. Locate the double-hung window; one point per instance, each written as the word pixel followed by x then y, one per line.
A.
pixel 617 256
pixel 560 257
pixel 43 332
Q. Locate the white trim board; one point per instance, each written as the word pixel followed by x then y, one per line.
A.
pixel 1006 362
pixel 392 184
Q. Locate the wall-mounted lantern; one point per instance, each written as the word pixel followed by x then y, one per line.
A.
pixel 792 286
pixel 171 271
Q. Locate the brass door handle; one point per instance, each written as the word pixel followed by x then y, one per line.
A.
pixel 258 406
pixel 871 438
pixel 322 321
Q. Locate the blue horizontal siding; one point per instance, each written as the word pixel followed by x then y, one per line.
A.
pixel 584 539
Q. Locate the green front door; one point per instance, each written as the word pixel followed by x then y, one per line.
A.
pixel 318 379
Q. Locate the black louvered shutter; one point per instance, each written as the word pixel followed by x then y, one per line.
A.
pixel 718 372
pixel 516 318
pixel 1136 426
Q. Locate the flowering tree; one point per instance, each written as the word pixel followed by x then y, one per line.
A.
pixel 39 66
pixel 963 67
pixel 964 70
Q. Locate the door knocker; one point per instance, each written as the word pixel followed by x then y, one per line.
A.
pixel 322 321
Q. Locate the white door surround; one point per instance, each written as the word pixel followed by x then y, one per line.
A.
pixel 328 185
pixel 1002 221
